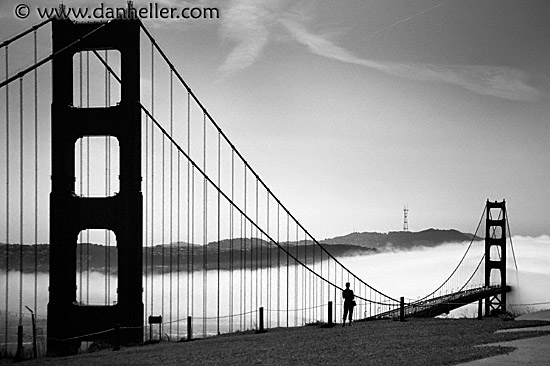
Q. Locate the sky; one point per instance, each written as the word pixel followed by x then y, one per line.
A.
pixel 351 110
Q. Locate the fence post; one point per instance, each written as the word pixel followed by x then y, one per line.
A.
pixel 261 319
pixel 480 309
pixel 330 313
pixel 402 309
pixel 189 329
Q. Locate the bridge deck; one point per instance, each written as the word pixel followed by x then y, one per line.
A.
pixel 430 308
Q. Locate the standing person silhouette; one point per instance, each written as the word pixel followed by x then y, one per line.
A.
pixel 349 303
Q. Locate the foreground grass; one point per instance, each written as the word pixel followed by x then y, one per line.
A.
pixel 384 342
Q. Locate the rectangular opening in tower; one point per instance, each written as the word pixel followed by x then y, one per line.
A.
pixel 495 277
pixel 495 253
pixel 495 213
pixel 97 166
pixel 96 267
pixel 95 75
pixel 495 232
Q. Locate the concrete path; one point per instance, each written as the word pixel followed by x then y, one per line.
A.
pixel 530 351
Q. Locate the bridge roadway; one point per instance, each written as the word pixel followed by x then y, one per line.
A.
pixel 433 307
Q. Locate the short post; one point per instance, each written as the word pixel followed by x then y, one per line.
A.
pixel 480 309
pixel 34 347
pixel 330 313
pixel 402 309
pixel 189 329
pixel 19 353
pixel 261 319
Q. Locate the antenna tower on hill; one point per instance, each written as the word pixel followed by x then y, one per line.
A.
pixel 406 218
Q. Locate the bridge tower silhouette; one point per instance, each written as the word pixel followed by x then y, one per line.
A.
pixel 495 238
pixel 71 214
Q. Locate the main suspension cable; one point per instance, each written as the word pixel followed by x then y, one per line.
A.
pixel 24 33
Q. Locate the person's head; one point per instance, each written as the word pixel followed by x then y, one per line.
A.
pixel 347 284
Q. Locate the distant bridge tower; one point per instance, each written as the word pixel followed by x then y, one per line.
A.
pixel 406 218
pixel 495 243
pixel 69 322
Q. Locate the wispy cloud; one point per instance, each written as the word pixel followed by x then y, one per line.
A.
pixel 250 24
pixel 246 23
pixel 497 81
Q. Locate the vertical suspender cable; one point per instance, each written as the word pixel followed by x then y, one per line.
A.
pixel 241 266
pixel 178 245
pixel 252 309
pixel 244 250
pixel 370 302
pixel 87 179
pixel 313 282
pixel 192 240
pixel 258 270
pixel 231 236
pixel 278 267
pixel 354 288
pixel 81 171
pixel 296 306
pixel 218 266
pixel 313 285
pixel 268 248
pixel 306 285
pixel 242 305
pixel 287 266
pixel 170 221
pixel 7 202
pixel 152 179
pixel 162 225
pixel 334 289
pixel 146 218
pixel 35 305
pixel 189 243
pixel 253 264
pixel 204 235
pixel 21 156
pixel 178 235
pixel 341 284
pixel 152 217
pixel 328 282
pixel 321 287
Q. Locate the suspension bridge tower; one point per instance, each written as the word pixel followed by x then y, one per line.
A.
pixel 69 322
pixel 495 255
